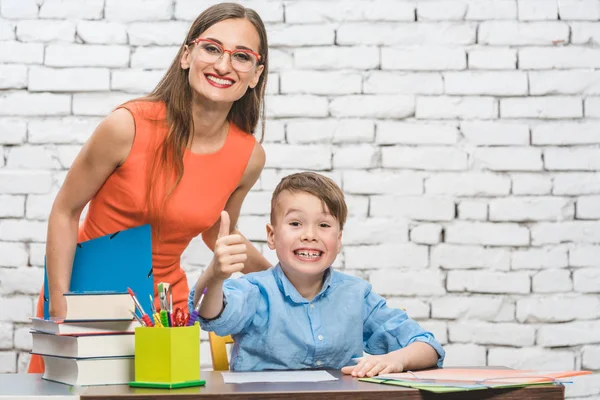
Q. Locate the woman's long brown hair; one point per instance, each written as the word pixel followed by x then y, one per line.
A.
pixel 166 168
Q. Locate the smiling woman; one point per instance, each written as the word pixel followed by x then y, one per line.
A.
pixel 175 159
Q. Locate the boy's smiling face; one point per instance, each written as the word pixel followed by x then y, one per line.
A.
pixel 305 236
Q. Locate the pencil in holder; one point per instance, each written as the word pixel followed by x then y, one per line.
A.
pixel 167 357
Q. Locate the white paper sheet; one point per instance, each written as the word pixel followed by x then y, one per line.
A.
pixel 277 376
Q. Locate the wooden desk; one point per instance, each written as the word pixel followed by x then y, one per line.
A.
pixel 344 388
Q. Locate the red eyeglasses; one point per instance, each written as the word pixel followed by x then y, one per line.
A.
pixel 241 60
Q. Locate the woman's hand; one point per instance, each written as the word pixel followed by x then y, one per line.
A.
pixel 58 306
pixel 230 251
pixel 373 365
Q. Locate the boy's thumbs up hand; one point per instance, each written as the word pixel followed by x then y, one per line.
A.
pixel 230 250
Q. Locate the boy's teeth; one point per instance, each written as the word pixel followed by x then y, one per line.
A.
pixel 309 253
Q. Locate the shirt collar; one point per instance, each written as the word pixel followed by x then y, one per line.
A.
pixel 289 291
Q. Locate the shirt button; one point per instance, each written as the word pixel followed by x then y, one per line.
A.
pixel 312 306
pixel 320 337
pixel 319 363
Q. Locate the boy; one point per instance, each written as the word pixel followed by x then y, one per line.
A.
pixel 301 313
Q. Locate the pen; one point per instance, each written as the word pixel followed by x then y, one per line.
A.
pixel 145 317
pixel 194 314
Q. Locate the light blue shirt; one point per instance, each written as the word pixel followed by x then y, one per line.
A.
pixel 274 327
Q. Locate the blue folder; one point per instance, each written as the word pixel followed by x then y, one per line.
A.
pixel 112 263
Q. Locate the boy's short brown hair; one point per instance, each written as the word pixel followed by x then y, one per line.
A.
pixel 318 185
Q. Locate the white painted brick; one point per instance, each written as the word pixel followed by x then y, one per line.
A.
pixel 304 106
pixel 380 257
pixel 476 210
pixel 45 31
pixel 488 333
pixel 464 355
pixel 168 33
pixel 495 133
pixel 16 309
pixel 23 339
pixel 382 182
pixel 370 106
pixel 403 83
pixel 38 206
pixel 6 336
pixel 19 9
pixel 508 158
pixel 21 53
pixel 588 207
pixel 417 208
pixel 86 55
pixel 153 57
pixel 66 155
pixel 330 131
pixel 42 79
pixel 37 252
pixel 531 209
pixel 485 83
pixel 564 82
pixel 566 133
pixel 24 182
pixel 423 58
pixel 552 281
pixel 280 59
pixel 568 334
pixel 579 10
pixel 270 178
pixel 253 227
pixel 8 362
pixel 67 130
pixel 441 10
pixel 558 57
pixel 426 234
pixel 468 184
pixel 358 206
pixel 31 157
pixel 590 357
pixel 536 258
pixel 13 76
pixel 424 158
pixel 135 80
pixel 592 107
pixel 568 231
pixel 482 308
pixel 22 230
pixel 449 256
pixel 12 254
pixel 531 184
pixel 509 33
pixel 447 107
pixel 492 58
pixel 587 385
pixel 335 58
pixel 301 35
pixel 138 10
pixel 12 206
pixel 269 11
pixel 102 32
pixel 576 183
pixel 438 328
pixel 273 84
pixel 415 308
pixel 99 104
pixel 535 10
pixel 584 256
pixel 274 132
pixel 298 156
pixel 587 280
pixel 392 132
pixel 356 156
pixel 343 11
pixel 491 9
pixel 490 234
pixel 585 33
pixel 372 231
pixel 557 308
pixel 532 358
pixel 7 30
pixel 569 159
pixel 72 9
pixel 417 283
pixel 426 33
pixel 541 107
pixel 27 104
pixel 321 82
pixel 26 280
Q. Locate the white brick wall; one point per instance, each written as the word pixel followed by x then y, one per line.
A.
pixel 465 134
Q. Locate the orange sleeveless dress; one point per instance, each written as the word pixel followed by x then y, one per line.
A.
pixel 195 205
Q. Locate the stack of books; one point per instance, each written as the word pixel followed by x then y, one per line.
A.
pixel 93 345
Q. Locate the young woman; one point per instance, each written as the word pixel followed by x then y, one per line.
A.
pixel 174 159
